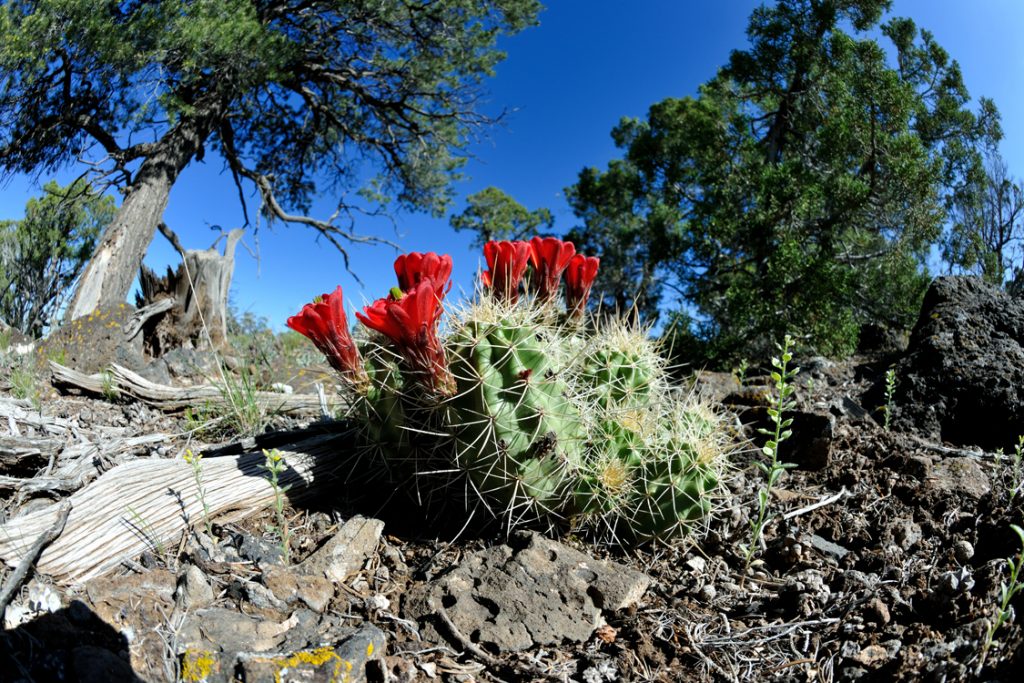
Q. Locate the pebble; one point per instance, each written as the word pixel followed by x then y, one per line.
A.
pixel 963 550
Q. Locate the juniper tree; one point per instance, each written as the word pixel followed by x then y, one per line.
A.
pixel 297 97
pixel 800 189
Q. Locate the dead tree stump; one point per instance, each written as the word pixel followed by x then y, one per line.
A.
pixel 199 288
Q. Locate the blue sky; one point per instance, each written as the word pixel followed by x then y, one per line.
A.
pixel 567 83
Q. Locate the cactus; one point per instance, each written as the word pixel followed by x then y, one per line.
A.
pixel 549 420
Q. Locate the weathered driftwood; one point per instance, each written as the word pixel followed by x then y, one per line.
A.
pixel 80 463
pixel 148 503
pixel 126 382
pixel 17 577
pixel 26 451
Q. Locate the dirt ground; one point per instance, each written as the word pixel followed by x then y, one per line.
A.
pixel 884 561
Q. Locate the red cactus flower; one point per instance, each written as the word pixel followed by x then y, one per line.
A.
pixel 507 263
pixel 579 278
pixel 410 321
pixel 325 324
pixel 549 256
pixel 414 266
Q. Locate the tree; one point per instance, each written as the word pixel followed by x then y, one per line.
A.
pixel 494 215
pixel 42 254
pixel 296 97
pixel 988 218
pixel 800 190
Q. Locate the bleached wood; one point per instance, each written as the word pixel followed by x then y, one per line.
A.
pixel 147 502
pixel 177 398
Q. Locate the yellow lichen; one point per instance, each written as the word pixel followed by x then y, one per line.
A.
pixel 317 657
pixel 196 665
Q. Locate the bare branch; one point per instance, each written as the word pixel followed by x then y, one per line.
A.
pixel 172 237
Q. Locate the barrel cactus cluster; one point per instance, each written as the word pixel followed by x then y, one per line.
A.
pixel 548 415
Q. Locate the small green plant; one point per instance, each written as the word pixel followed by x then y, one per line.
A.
pixel 195 461
pixel 23 382
pixel 1007 590
pixel 244 414
pixel 890 391
pixel 740 371
pixel 1017 468
pixel 275 467
pixel 147 531
pixel 109 386
pixel 783 377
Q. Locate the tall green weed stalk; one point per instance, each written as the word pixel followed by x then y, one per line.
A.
pixel 783 378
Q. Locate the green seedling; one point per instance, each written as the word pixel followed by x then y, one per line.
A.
pixel 783 377
pixel 890 391
pixel 195 461
pixel 1007 590
pixel 275 467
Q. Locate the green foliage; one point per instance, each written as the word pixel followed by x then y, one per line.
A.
pixel 783 377
pixel 298 98
pixel 494 215
pixel 988 221
pixel 195 461
pixel 1007 590
pixel 801 188
pixel 42 254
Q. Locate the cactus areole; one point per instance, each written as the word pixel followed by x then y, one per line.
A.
pixel 550 418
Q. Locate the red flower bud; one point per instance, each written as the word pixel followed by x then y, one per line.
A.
pixel 579 278
pixel 507 263
pixel 413 267
pixel 411 323
pixel 549 257
pixel 325 324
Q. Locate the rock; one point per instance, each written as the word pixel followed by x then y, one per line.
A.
pixel 811 444
pixel 312 590
pixel 853 410
pixel 352 655
pixel 355 659
pixel 827 547
pixel 225 630
pixel 157 372
pixel 91 343
pixel 194 591
pixel 906 533
pixel 957 476
pixel 535 592
pixel 964 366
pixel 191 363
pixel 259 550
pixel 963 550
pixel 715 386
pixel 346 551
pixel 874 656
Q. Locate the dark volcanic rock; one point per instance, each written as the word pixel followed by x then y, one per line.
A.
pixel 962 379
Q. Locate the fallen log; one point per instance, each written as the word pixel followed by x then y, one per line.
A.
pixel 26 452
pixel 148 503
pixel 125 382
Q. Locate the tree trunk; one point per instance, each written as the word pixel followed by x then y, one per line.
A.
pixel 112 268
pixel 199 289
